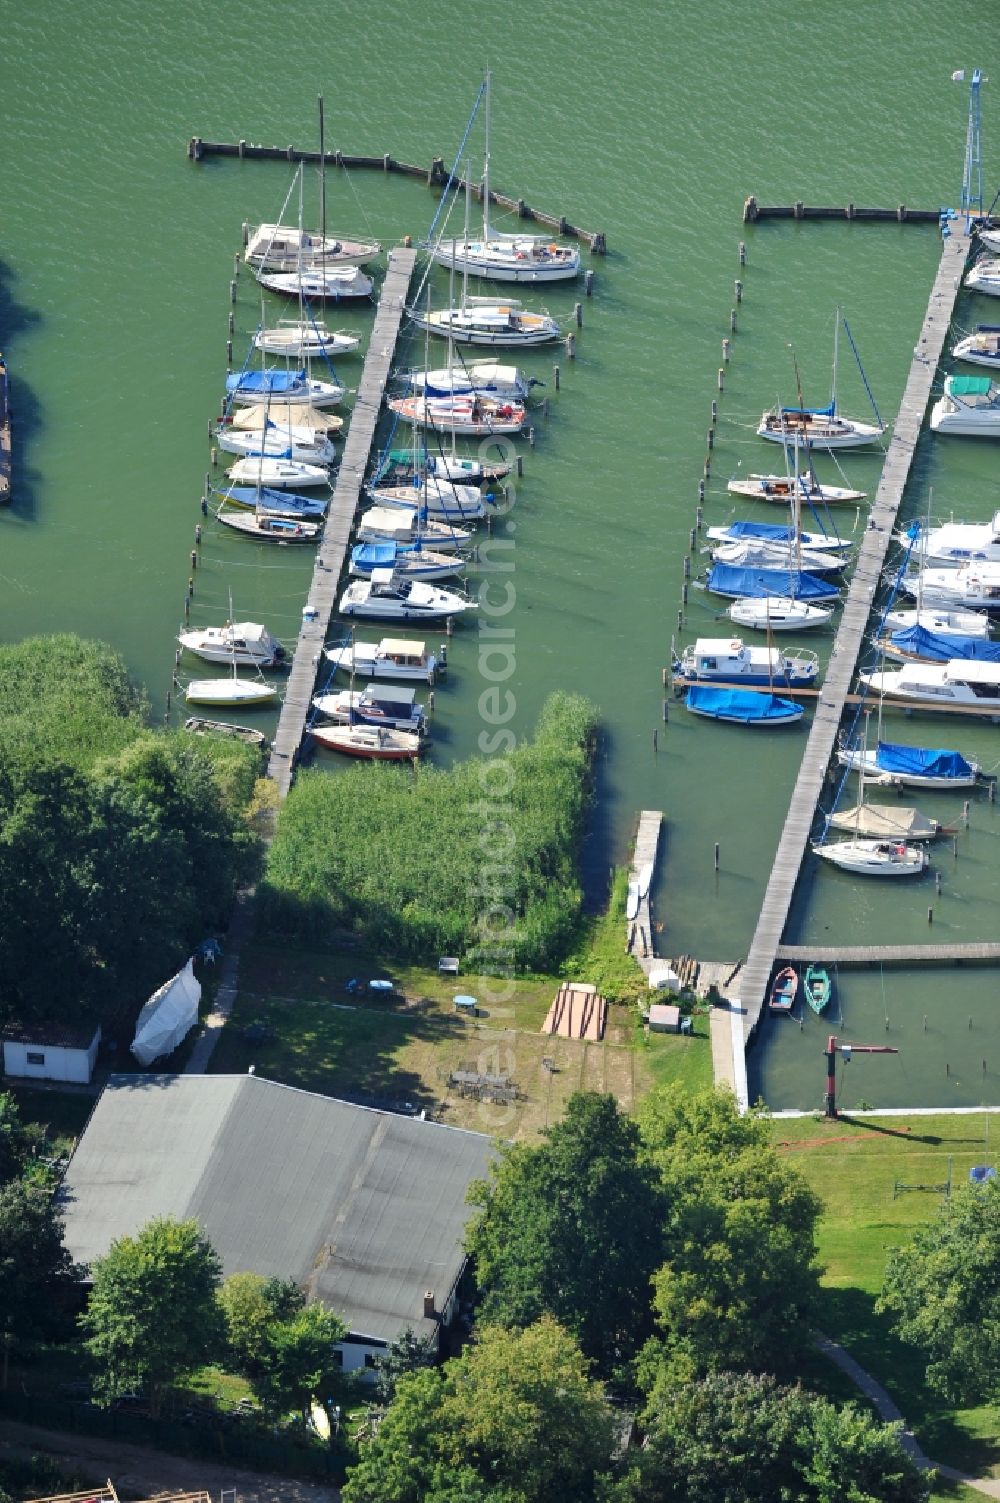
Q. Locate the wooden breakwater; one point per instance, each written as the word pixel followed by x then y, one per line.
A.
pixel 435 176
pixel 753 213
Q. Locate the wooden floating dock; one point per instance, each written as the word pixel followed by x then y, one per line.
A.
pixel 850 635
pixel 863 955
pixel 639 930
pixel 435 176
pixel 753 212
pixel 332 551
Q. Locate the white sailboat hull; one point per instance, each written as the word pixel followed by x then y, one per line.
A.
pixel 303 444
pixel 278 474
pixel 819 432
pixel 975 588
pixel 330 285
pixel 234 693
pixel 942 622
pixel 782 488
pixel 454 503
pixel 301 341
pixel 874 774
pixel 523 259
pixel 778 613
pixel 493 325
pixel 280 247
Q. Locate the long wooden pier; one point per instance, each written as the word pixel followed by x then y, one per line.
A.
pixel 639 930
pixel 987 951
pixel 868 571
pixel 435 176
pixel 332 550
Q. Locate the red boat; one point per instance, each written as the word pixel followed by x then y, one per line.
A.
pixel 784 990
pixel 377 743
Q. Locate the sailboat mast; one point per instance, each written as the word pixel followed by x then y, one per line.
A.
pixel 836 337
pixel 486 162
pixel 322 176
pixel 465 239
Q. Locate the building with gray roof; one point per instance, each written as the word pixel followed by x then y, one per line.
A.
pixel 365 1210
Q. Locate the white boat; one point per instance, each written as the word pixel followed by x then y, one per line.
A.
pixel 277 474
pixel 775 534
pixel 394 706
pixel 954 542
pixel 259 415
pixel 942 623
pixel 750 554
pixel 282 247
pixel 409 466
pixel 269 527
pixel 374 742
pixel 821 428
pixel 303 444
pixel 467 416
pixel 486 377
pixel 246 643
pixel 981 347
pixel 388 597
pixel 970 406
pixel 958 683
pixel 985 277
pixel 782 488
pixel 439 498
pixel 326 284
pixel 302 339
pixel 972 586
pixel 393 657
pixel 892 765
pixel 411 524
pixel 290 388
pixel 407 560
pixel 486 321
pixel 777 613
pixel 731 661
pixel 874 858
pixel 233 692
pixel 886 822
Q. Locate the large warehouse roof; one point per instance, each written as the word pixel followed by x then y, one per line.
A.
pixel 364 1208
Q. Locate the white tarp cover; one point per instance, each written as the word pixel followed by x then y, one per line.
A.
pixel 168 1016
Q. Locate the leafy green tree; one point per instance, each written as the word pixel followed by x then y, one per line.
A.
pixel 36 1274
pixel 153 1314
pixel 251 1305
pixel 281 1345
pixel 515 1419
pixel 14 1141
pixel 573 1227
pixel 740 1280
pixel 740 1438
pixel 407 1354
pixel 942 1291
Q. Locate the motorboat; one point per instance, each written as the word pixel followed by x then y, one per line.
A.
pixel 279 503
pixel 471 416
pixel 374 742
pixel 817 987
pixel 275 473
pixel 269 527
pixel 985 276
pixel 320 284
pixel 797 584
pixel 282 247
pixel 970 406
pixel 399 465
pixel 819 427
pixel 892 764
pixel 783 489
pixel 302 444
pixel 439 498
pixel 874 858
pixel 915 644
pixel 387 596
pixel 784 990
pixel 287 387
pixel 741 706
pixel 989 238
pixel 981 347
pixel 748 553
pixel 957 684
pixel 972 586
pixel 954 542
pixel 731 661
pixel 407 560
pixel 412 524
pixel 393 706
pixel 233 692
pixel 392 657
pixel 778 536
pixel 942 623
pixel 246 643
pixel 777 613
pixel 303 339
pixel 486 377
pixel 487 321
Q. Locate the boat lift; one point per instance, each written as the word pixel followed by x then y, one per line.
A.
pixel 830 1095
pixel 972 176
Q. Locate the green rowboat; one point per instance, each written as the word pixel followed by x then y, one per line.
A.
pixel 817 987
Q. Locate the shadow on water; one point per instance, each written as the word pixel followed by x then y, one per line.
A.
pixel 25 408
pixel 599 835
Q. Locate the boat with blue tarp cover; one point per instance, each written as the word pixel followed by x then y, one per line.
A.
pixel 915 644
pixel 741 706
pixel 741 583
pixel 911 766
pixel 408 559
pixel 774 532
pixel 287 386
pixel 282 503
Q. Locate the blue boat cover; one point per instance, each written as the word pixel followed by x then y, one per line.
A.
pixel 730 579
pixel 375 555
pixel 283 501
pixel 740 704
pixel 922 761
pixel 273 382
pixel 772 532
pixel 809 411
pixel 939 649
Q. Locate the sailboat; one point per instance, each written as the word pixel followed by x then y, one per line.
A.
pixel 506 258
pixel 867 856
pixel 490 321
pixel 411 524
pixel 821 427
pixel 232 692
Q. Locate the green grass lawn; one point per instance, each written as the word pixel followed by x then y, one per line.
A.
pixel 853 1165
pixel 62 1114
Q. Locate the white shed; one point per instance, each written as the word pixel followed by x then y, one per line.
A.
pixel 664 1018
pixel 52 1052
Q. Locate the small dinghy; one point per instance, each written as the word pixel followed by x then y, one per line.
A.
pixel 817 987
pixel 778 613
pixel 741 706
pixel 784 989
pixel 376 743
pixel 386 596
pixel 197 725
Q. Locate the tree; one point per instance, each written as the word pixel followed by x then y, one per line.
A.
pixel 515 1419
pixel 153 1313
pixel 36 1274
pixel 13 1139
pixel 741 1438
pixel 943 1293
pixel 407 1354
pixel 251 1305
pixel 740 1279
pixel 573 1228
pixel 281 1345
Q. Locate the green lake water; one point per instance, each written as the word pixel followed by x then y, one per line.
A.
pixel 652 123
